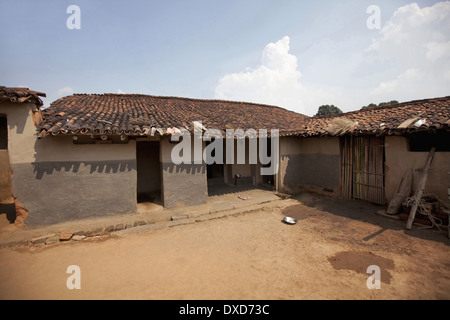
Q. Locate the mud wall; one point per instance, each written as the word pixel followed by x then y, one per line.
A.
pixel 309 162
pixel 399 159
pixel 182 184
pixel 56 180
pixel 5 176
pixel 69 181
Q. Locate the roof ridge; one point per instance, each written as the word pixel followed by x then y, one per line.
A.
pixel 183 98
pixel 387 106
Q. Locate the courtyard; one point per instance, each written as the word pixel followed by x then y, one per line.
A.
pixel 247 254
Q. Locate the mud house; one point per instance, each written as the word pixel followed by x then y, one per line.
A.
pixel 365 154
pixel 19 117
pixel 100 154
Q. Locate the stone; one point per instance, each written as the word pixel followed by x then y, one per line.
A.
pixel 179 217
pixel 95 232
pixel 78 237
pixel 139 223
pixel 65 236
pixel 51 240
pixel 42 239
pixel 109 228
pixel 119 227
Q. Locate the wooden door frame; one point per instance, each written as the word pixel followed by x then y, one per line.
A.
pixel 363 168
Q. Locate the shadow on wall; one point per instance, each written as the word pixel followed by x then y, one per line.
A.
pixel 42 165
pixel 319 170
pixel 41 168
pixel 292 176
pixel 19 124
pixel 184 168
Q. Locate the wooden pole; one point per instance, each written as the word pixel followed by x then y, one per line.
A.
pixel 420 188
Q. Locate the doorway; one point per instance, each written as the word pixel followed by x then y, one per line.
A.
pixel 362 168
pixel 3 133
pixel 148 168
pixel 7 206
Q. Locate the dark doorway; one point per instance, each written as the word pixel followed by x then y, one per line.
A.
pixel 3 133
pixel 148 171
pixel 214 170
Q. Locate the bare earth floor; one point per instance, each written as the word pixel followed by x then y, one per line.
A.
pixel 246 256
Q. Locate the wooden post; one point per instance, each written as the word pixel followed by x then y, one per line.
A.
pixel 420 188
pixel 403 191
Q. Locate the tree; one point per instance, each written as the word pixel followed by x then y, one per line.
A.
pixel 328 109
pixel 381 104
pixel 387 103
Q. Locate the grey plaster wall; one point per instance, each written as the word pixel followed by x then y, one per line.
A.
pixel 309 162
pixel 311 169
pixel 182 184
pixel 320 170
pixel 61 191
pixel 5 176
pixel 56 180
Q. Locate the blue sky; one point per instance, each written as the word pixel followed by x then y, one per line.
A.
pixel 295 54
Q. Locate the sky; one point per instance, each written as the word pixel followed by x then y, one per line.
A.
pixel 294 54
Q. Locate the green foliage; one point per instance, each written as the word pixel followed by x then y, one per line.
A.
pixel 328 109
pixel 381 104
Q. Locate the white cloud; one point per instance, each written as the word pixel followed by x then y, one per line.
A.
pixel 65 91
pixel 275 81
pixel 120 91
pixel 437 50
pixel 414 47
pixel 409 58
pixel 400 83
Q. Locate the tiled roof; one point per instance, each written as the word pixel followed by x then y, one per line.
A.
pixel 134 114
pixel 21 95
pixel 419 115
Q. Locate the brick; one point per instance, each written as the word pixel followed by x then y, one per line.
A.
pixel 65 236
pixel 95 232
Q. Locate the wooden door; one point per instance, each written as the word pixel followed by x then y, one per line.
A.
pixel 362 173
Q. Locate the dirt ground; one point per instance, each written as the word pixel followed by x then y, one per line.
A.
pixel 252 255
